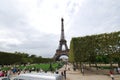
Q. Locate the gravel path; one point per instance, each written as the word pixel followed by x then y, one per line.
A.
pixel 76 75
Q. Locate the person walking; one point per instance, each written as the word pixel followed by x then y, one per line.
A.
pixel 65 74
pixel 82 71
pixel 111 74
pixel 9 74
pixel 62 74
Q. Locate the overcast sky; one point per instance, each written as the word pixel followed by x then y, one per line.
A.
pixel 34 26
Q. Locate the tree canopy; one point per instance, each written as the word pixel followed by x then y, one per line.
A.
pixel 104 48
pixel 21 58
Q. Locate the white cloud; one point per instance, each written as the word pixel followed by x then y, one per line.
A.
pixel 33 26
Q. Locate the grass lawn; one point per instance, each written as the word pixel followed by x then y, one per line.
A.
pixel 45 66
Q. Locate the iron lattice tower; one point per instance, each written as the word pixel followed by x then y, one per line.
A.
pixel 60 51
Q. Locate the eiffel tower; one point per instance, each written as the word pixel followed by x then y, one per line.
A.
pixel 60 51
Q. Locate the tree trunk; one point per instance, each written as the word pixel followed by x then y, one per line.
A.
pixel 89 64
pixel 77 65
pixel 80 65
pixel 96 66
pixel 111 65
pixel 118 64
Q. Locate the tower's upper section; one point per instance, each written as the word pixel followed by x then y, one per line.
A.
pixel 62 29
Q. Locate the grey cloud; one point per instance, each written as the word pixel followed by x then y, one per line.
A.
pixel 96 16
pixel 12 17
pixel 41 45
pixel 15 22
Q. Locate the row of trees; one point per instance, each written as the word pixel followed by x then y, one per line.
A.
pixel 21 58
pixel 102 48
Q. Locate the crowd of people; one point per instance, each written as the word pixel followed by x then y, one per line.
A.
pixel 16 71
pixel 7 73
